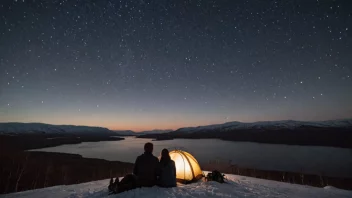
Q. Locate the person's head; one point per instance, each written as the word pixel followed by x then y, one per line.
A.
pixel 165 153
pixel 165 157
pixel 148 147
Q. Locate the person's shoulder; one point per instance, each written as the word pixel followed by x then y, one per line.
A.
pixel 155 158
pixel 139 156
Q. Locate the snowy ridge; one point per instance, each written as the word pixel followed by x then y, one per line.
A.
pixel 26 128
pixel 236 186
pixel 285 124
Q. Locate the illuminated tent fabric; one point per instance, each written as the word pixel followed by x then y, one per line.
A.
pixel 187 167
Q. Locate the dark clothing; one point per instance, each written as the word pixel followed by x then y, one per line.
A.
pixel 146 169
pixel 167 174
pixel 129 182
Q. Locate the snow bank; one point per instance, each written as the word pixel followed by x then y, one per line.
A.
pixel 237 186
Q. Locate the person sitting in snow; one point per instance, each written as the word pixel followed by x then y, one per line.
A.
pixel 145 173
pixel 146 167
pixel 167 166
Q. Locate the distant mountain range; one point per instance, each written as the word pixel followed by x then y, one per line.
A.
pixel 27 128
pixel 268 125
pixel 336 133
pixel 132 133
pixel 26 136
pixel 124 132
pixel 40 128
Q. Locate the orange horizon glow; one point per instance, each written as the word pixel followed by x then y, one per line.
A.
pixel 138 128
pixel 146 121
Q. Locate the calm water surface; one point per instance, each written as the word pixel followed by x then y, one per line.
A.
pixel 309 159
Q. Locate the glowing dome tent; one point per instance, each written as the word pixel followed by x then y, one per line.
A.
pixel 187 167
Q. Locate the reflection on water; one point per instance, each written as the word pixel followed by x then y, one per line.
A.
pixel 308 159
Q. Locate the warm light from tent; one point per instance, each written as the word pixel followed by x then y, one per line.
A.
pixel 187 167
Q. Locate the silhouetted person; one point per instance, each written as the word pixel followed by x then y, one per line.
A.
pixel 167 170
pixel 146 167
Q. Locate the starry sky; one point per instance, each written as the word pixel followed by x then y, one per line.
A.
pixel 143 64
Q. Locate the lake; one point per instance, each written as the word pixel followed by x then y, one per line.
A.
pixel 308 159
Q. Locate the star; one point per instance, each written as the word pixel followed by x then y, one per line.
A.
pixel 121 55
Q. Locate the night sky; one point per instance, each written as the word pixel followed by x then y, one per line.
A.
pixel 143 64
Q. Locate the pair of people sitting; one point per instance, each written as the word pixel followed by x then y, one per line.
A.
pixel 148 172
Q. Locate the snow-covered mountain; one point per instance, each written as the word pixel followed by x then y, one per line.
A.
pixel 40 128
pixel 334 133
pixel 269 125
pixel 236 186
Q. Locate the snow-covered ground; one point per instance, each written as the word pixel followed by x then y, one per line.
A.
pixel 237 186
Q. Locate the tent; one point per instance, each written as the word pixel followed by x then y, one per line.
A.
pixel 187 167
